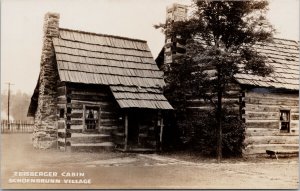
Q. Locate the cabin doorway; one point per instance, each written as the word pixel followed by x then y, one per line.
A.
pixel 133 128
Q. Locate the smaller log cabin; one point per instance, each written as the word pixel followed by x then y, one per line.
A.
pixel 97 91
pixel 268 105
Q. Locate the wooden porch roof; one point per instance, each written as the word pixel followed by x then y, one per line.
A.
pixel 134 97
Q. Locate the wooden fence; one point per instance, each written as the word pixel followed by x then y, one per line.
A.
pixel 16 126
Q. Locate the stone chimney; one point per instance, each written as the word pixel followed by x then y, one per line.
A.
pixel 45 134
pixel 175 12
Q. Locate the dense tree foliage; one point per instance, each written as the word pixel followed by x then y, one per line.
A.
pixel 221 36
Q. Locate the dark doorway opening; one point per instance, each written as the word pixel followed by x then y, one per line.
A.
pixel 133 128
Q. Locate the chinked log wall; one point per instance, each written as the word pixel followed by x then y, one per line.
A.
pixel 262 114
pixel 231 99
pixel 61 122
pixel 78 96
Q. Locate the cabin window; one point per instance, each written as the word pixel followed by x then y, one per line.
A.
pixel 92 117
pixel 285 121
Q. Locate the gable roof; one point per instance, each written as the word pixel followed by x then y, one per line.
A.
pixel 124 64
pixel 283 56
pixel 102 59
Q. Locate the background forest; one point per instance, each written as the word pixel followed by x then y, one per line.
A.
pixel 19 103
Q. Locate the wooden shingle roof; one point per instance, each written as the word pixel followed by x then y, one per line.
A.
pixel 119 62
pixel 129 97
pixel 283 56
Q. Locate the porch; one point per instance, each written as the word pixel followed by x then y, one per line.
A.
pixel 140 130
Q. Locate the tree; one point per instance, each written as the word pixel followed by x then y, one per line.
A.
pixel 224 35
pixel 182 82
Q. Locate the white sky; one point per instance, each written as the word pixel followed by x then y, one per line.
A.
pixel 22 28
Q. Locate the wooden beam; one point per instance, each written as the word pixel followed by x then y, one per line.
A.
pixel 126 131
pixel 161 131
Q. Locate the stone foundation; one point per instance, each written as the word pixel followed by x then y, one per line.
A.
pixel 43 140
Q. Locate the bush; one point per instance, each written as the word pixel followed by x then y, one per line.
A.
pixel 205 136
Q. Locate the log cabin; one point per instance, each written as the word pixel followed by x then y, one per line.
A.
pixel 96 91
pixel 269 106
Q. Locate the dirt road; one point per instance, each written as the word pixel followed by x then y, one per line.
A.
pixel 121 170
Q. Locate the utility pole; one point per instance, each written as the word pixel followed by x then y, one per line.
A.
pixel 8 100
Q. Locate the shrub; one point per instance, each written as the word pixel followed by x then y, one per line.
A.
pixel 205 136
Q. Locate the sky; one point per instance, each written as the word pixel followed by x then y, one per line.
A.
pixel 22 28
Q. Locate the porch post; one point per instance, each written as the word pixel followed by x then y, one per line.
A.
pixel 161 131
pixel 126 131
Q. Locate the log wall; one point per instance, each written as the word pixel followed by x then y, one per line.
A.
pixel 72 134
pixel 61 122
pixel 260 110
pixel 77 98
pixel 262 117
pixel 231 99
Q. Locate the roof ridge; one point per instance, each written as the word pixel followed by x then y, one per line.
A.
pixel 285 39
pixel 105 35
